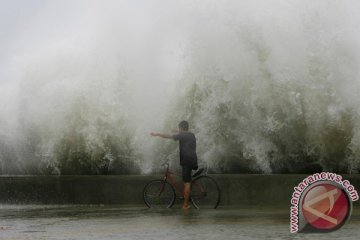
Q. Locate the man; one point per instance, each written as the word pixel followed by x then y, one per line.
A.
pixel 188 157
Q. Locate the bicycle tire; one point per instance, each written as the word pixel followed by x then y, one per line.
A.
pixel 205 193
pixel 159 194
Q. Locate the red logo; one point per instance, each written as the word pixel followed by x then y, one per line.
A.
pixel 326 207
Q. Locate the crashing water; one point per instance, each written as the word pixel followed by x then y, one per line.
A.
pixel 267 86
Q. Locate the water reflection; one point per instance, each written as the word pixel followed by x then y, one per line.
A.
pixel 137 222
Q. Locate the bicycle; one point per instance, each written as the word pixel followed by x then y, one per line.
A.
pixel 205 192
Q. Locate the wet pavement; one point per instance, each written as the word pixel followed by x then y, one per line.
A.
pixel 72 222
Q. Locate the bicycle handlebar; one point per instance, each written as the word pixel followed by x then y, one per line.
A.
pixel 165 164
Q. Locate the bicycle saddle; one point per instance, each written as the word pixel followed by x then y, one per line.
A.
pixel 198 172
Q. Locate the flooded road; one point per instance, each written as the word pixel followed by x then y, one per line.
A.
pixel 110 222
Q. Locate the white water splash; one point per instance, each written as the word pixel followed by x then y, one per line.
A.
pixel 261 82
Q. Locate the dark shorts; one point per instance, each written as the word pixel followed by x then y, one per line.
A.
pixel 186 172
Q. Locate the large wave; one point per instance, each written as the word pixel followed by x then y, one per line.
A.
pixel 267 86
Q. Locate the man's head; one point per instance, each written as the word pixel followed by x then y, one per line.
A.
pixel 183 126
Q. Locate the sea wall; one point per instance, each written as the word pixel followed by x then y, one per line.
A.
pixel 236 189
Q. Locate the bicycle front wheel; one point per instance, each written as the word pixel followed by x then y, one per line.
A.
pixel 205 193
pixel 159 194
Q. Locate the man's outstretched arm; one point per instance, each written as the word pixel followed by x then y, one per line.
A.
pixel 163 135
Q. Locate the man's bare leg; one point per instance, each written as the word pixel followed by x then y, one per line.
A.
pixel 187 189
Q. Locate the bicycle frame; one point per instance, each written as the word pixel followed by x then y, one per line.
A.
pixel 168 177
pixel 204 190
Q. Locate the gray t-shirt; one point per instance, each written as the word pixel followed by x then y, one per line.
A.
pixel 187 146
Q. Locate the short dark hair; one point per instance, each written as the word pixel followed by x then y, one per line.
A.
pixel 184 125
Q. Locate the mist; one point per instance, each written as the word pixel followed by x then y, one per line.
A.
pixel 267 86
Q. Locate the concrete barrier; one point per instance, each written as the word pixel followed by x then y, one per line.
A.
pixel 252 189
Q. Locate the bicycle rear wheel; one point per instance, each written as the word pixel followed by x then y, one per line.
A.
pixel 205 193
pixel 159 194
